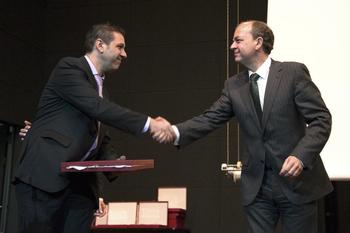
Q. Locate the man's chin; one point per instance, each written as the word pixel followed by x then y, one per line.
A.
pixel 112 69
pixel 238 59
pixel 115 66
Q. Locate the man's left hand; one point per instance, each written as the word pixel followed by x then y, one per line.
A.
pixel 102 208
pixel 23 132
pixel 291 167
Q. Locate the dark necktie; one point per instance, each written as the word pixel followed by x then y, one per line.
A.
pixel 254 91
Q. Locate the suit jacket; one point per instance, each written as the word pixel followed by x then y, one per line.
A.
pixel 65 126
pixel 295 122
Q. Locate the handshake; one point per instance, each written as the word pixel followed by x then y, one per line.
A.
pixel 161 130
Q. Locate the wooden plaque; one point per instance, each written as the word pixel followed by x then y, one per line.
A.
pixel 153 213
pixel 122 213
pixel 176 196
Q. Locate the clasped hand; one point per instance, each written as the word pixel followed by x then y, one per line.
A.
pixel 161 130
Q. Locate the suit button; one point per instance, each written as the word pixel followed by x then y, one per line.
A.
pixel 262 161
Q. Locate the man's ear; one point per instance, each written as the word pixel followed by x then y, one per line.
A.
pixel 99 45
pixel 259 42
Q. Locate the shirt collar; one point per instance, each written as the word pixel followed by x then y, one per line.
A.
pixel 93 69
pixel 263 70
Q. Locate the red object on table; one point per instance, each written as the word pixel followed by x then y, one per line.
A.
pixel 176 218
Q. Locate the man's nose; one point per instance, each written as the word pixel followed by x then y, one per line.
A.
pixel 123 54
pixel 233 45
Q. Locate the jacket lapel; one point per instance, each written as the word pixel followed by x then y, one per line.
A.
pixel 87 69
pixel 272 85
pixel 92 80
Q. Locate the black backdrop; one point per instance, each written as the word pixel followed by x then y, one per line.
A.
pixel 176 67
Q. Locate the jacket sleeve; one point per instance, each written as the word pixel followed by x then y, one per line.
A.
pixel 310 104
pixel 72 84
pixel 211 119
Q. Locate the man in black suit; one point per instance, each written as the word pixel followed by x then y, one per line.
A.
pixel 69 127
pixel 285 124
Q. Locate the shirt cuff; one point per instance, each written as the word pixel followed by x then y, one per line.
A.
pixel 177 133
pixel 146 127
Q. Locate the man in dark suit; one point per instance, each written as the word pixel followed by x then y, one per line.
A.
pixel 69 127
pixel 285 124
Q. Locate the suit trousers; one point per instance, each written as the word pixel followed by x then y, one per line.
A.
pixel 271 204
pixel 68 211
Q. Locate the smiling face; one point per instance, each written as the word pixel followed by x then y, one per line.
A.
pixel 112 54
pixel 244 46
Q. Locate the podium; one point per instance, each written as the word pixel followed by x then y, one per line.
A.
pixel 113 166
pixel 116 167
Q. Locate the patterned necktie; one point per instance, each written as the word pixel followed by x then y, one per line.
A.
pixel 254 91
pixel 99 81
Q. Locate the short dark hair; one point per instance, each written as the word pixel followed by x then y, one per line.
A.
pixel 102 31
pixel 260 29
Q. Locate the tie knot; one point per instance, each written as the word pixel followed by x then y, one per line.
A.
pixel 254 77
